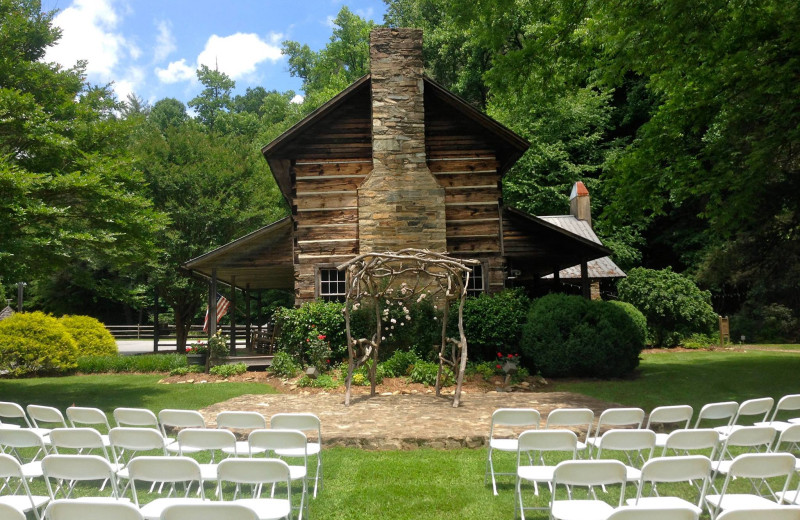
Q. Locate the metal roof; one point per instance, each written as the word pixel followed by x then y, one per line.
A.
pixel 599 268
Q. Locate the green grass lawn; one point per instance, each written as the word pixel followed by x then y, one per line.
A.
pixel 434 484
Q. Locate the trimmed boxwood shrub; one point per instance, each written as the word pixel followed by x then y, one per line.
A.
pixel 35 343
pixel 92 337
pixel 492 323
pixel 674 306
pixel 637 317
pixel 570 336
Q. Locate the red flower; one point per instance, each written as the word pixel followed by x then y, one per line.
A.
pixel 499 354
pixel 308 340
pixel 510 356
pixel 499 367
pixel 327 360
pixel 321 336
pixel 188 349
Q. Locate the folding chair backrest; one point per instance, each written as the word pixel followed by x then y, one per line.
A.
pixel 9 467
pixel 718 411
pixel 670 415
pixel 20 438
pixel 87 510
pixel 77 439
pixel 790 435
pixel 81 415
pixel 274 439
pixel 45 415
pixel 762 465
pixel 297 421
pixel 514 417
pixel 180 419
pixel 137 439
pixel 761 406
pixel 76 467
pixel 571 417
pixel 548 440
pixel 676 469
pixel 626 440
pixel 241 420
pixel 689 440
pixel 165 469
pixel 205 439
pixel 209 511
pixel 774 513
pixel 619 417
pixel 590 473
pixel 253 471
pixel 640 513
pixel 750 437
pixel 8 512
pixel 788 402
pixel 135 417
pixel 11 410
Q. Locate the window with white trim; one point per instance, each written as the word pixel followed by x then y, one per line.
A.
pixel 332 284
pixel 476 285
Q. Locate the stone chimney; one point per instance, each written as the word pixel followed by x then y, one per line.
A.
pixel 400 204
pixel 580 203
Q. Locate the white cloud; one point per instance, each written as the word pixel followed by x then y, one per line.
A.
pixel 131 81
pixel 176 71
pixel 165 41
pixel 329 21
pixel 297 99
pixel 238 54
pixel 88 33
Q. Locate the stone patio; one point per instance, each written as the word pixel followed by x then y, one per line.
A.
pixel 397 422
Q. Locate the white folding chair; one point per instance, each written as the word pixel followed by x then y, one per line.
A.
pixel 79 510
pixel 721 411
pixel 127 443
pixel 46 415
pixel 177 419
pixel 8 512
pixel 752 407
pixel 534 444
pixel 266 441
pixel 17 441
pixel 673 470
pixel 615 418
pixel 753 466
pixel 500 441
pixel 305 422
pixel 781 513
pixel 636 445
pixel 67 470
pixel 169 469
pixel 94 417
pixel 260 473
pixel 15 481
pixel 209 441
pixel 679 414
pixel 136 417
pixel 756 439
pixel 9 410
pixel 787 403
pixel 691 441
pixel 641 513
pixel 241 421
pixel 580 419
pixel 209 511
pixel 82 441
pixel 586 473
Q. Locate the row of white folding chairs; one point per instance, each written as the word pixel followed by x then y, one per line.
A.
pixel 81 510
pixel 694 470
pixel 62 472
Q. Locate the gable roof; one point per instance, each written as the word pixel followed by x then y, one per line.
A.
pixel 599 268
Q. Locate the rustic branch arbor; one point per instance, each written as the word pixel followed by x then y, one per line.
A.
pixel 397 279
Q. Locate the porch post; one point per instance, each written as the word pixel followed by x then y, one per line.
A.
pixel 249 322
pixel 586 288
pixel 212 304
pixel 155 320
pixel 557 278
pixel 233 316
pixel 258 314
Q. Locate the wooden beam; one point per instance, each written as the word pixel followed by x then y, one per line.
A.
pixel 212 304
pixel 586 287
pixel 249 322
pixel 232 348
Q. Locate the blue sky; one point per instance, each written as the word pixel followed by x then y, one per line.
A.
pixel 153 47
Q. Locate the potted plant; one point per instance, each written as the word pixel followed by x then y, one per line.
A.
pixel 196 354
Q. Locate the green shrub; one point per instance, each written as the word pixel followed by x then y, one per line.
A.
pixel 773 323
pixel 487 369
pixel 35 343
pixel 492 322
pixel 399 365
pixel 637 317
pixel 310 320
pixel 323 381
pixel 674 306
pixel 696 341
pixel 144 363
pixel 361 374
pixel 228 370
pixel 425 372
pixel 403 326
pixel 520 375
pixel 92 337
pixel 570 336
pixel 283 365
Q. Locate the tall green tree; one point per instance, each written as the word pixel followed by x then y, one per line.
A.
pixel 215 98
pixel 70 194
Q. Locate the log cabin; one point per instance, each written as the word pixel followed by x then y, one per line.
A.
pixel 394 161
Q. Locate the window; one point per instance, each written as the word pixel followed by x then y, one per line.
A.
pixel 475 285
pixel 332 285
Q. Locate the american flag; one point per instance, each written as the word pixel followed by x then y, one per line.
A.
pixel 222 309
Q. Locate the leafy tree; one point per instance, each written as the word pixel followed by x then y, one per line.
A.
pixel 674 306
pixel 168 112
pixel 215 98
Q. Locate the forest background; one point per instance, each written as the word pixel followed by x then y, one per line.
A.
pixel 682 119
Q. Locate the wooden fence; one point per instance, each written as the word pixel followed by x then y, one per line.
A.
pixel 166 333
